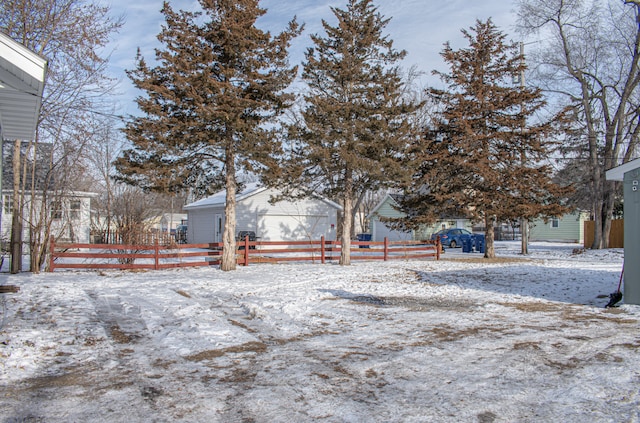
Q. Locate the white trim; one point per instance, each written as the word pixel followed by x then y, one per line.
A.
pixel 617 173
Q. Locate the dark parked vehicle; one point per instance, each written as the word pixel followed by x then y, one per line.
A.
pixel 241 237
pixel 451 237
pixel 181 234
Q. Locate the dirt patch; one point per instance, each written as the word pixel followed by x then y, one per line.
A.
pixel 242 325
pixel 529 345
pixel 121 337
pixel 240 376
pixel 72 378
pixel 256 347
pixel 449 334
pixel 429 304
pixel 537 307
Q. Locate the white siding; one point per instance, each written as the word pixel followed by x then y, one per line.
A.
pixel 292 228
pixel 283 221
pixel 379 231
pixel 201 227
pixel 72 225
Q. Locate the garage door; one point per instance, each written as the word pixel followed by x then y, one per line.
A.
pixel 291 228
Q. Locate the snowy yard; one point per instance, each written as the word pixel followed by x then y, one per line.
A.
pixel 460 340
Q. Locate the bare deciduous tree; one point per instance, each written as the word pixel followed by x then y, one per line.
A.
pixel 590 57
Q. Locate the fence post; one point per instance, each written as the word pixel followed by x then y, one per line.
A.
pixel 246 250
pixel 438 247
pixel 322 257
pixel 52 246
pixel 386 248
pixel 156 263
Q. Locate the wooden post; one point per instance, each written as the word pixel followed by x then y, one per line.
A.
pixel 246 250
pixel 438 248
pixel 386 248
pixel 52 246
pixel 156 261
pixel 322 257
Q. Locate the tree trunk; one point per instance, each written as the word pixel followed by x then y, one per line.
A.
pixel 228 261
pixel 598 225
pixel 607 211
pixel 489 249
pixel 347 220
pixel 16 222
pixel 524 234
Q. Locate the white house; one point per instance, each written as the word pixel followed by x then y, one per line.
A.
pixel 285 220
pixel 70 215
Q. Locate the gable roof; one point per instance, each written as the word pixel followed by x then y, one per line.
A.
pixel 617 173
pixel 219 199
pixel 387 197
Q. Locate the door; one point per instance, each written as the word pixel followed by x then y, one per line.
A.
pixel 218 228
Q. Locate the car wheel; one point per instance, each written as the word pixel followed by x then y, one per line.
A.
pixel 452 244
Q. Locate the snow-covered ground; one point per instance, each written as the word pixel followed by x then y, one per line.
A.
pixel 459 340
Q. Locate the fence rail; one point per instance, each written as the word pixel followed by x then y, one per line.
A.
pixel 157 256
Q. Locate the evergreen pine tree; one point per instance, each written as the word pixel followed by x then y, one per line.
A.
pixel 355 124
pixel 482 158
pixel 217 82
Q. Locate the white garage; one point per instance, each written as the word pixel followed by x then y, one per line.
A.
pixel 306 219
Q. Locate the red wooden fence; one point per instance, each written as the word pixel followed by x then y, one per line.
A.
pixel 156 257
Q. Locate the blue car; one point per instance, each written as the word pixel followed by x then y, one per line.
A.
pixel 451 237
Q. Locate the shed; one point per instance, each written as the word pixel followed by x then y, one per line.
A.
pixel 388 208
pixel 629 174
pixel 285 220
pixel 566 228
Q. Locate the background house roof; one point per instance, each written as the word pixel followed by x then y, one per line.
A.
pixel 617 173
pixel 22 75
pixel 219 198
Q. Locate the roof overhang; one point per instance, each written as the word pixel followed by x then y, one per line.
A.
pixel 22 75
pixel 617 173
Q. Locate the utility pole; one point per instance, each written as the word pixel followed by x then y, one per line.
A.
pixel 524 222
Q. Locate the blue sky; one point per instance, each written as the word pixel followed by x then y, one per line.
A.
pixel 419 26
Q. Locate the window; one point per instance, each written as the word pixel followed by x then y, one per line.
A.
pixel 56 210
pixel 8 204
pixel 555 223
pixel 75 208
